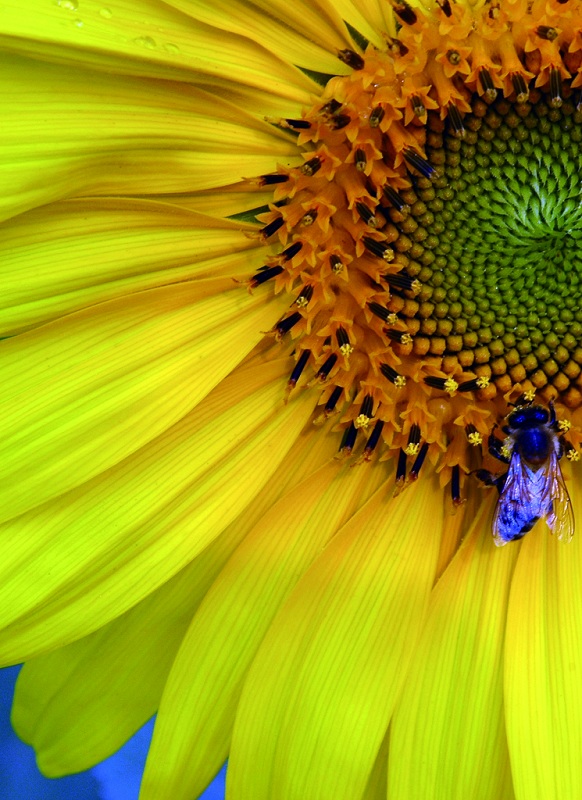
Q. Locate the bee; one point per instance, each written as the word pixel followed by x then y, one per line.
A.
pixel 533 487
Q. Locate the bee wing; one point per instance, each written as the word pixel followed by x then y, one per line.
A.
pixel 516 500
pixel 560 516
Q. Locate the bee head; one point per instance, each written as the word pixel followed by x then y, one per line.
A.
pixel 526 417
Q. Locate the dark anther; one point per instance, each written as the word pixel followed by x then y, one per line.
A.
pixel 268 180
pixel 298 124
pixel 331 107
pixel 470 430
pixel 404 12
pixel 490 92
pixel 327 341
pixel 445 7
pixel 360 159
pixel 342 336
pixel 555 88
pixel 272 227
pixel 367 215
pixel 311 167
pixel 456 121
pixel 401 467
pixel 394 198
pixel 417 105
pixel 326 368
pixel 436 383
pixel 349 438
pixel 351 58
pixel 380 249
pixel 380 311
pixel 396 336
pixel 520 88
pixel 469 386
pixel 545 32
pixel 390 373
pixel 396 47
pixel 299 367
pixel 291 251
pixel 418 462
pixel 418 162
pixel 333 398
pixel 305 295
pixel 374 437
pixel 340 121
pixel 289 322
pixel 456 485
pixel 376 116
pixel 370 187
pixel 336 263
pixel 414 434
pixel 265 274
pixel 399 280
pixel 308 218
pixel 453 57
pixel 367 406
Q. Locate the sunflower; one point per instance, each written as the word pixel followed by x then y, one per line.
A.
pixel 275 276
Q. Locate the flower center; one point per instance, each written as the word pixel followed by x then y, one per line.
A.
pixel 430 239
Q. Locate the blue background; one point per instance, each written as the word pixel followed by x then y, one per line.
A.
pixel 117 778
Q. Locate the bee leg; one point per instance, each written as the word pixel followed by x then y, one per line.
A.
pixel 494 446
pixel 489 479
pixel 552 422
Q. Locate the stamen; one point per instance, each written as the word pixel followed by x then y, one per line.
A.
pixel 305 296
pixel 285 325
pixel 360 160
pixel 418 462
pixel 413 445
pixel 272 227
pixel 545 32
pixel 400 280
pixel 445 7
pixel 269 180
pixel 311 167
pixel 327 367
pixel 473 436
pixel 340 121
pixel 291 251
pixel 417 106
pixel 352 59
pixel 298 124
pixel 298 368
pixel 404 12
pixel 456 485
pixel 380 249
pixel 418 162
pixel 402 337
pixel 555 88
pixel 473 385
pixel 373 439
pixel 336 264
pixel 263 275
pixel 520 88
pixel 349 439
pixel 331 107
pixel 453 57
pixel 376 116
pixel 456 121
pixel 389 372
pixel 368 216
pixel 401 467
pixel 333 399
pixel 308 218
pixel 394 198
pixel 489 90
pixel 383 313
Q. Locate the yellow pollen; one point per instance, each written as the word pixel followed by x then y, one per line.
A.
pixel 529 395
pixel 573 455
pixel 400 382
pixel 475 438
pixel 362 421
pixel 483 382
pixel 346 350
pixel 506 451
pixel 451 386
pixel 564 425
pixel 412 449
pixel 302 302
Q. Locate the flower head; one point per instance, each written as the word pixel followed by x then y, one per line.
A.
pixel 267 266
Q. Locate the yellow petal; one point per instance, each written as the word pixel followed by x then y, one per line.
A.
pixel 67 256
pixel 148 39
pixel 88 556
pixel 92 133
pixel 194 725
pixel 330 668
pixel 543 666
pixel 448 737
pixel 97 385
pixel 313 45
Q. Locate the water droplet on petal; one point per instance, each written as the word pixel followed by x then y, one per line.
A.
pixel 78 23
pixel 145 41
pixel 106 13
pixel 171 48
pixel 69 5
